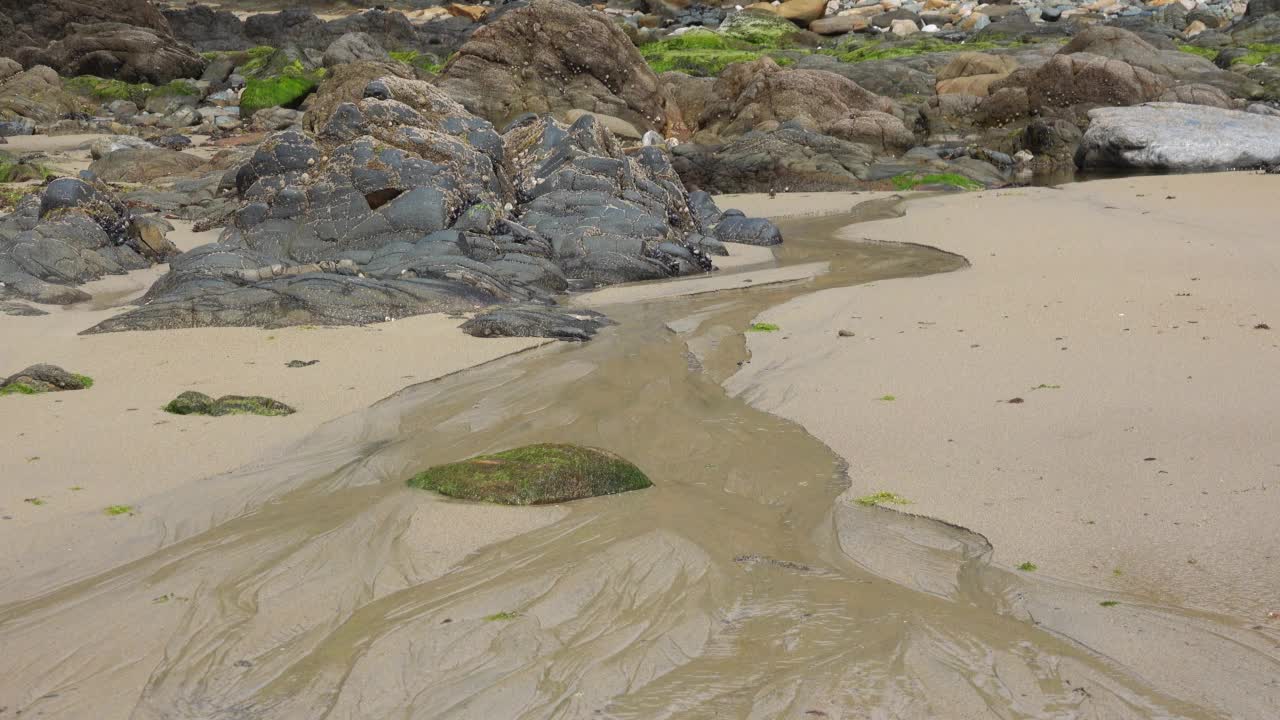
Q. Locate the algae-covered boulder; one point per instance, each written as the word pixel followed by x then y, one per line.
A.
pixel 534 475
pixel 197 403
pixel 43 378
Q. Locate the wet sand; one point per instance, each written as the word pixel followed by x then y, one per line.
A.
pixel 746 583
pixel 1144 457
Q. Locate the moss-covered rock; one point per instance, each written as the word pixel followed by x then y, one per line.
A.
pixel 106 90
pixel 912 181
pixel 197 403
pixel 534 475
pixel 762 29
pixel 16 172
pixel 43 378
pixel 283 91
pixel 702 53
pixel 859 50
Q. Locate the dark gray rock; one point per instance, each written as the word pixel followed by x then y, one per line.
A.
pixel 536 321
pixel 787 159
pixel 404 203
pixel 748 231
pixel 43 378
pixel 17 309
pixel 72 233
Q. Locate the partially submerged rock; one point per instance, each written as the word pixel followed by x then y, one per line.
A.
pixel 536 321
pixel 534 475
pixel 43 378
pixel 197 403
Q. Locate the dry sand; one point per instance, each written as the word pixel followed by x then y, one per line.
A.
pixel 1144 455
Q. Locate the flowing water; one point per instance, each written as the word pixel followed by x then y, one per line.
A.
pixel 742 585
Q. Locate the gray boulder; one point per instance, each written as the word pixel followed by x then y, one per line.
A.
pixel 1173 136
pixel 354 47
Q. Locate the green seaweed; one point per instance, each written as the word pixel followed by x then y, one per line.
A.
pixel 882 497
pixel 36 501
pixel 258 57
pixel 910 181
pixel 502 616
pixel 421 61
pixel 1204 52
pixel 107 90
pixel 16 172
pixel 114 510
pixel 882 50
pixel 762 29
pixel 702 53
pixel 1258 53
pixel 18 389
pixel 534 475
pixel 1028 566
pixel 1109 603
pixel 763 327
pixel 280 91
pixel 85 381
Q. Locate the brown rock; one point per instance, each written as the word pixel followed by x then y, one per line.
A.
pixel 115 50
pixel 802 12
pixel 973 73
pixel 474 13
pixel 839 25
pixel 37 95
pixel 760 92
pixel 553 56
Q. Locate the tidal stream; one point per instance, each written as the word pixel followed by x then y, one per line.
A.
pixel 744 584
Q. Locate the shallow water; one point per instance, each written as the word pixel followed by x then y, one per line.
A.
pixel 743 585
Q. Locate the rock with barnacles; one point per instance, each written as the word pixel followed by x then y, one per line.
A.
pixel 404 203
pixel 73 232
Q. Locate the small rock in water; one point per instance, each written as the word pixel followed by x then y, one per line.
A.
pixel 300 363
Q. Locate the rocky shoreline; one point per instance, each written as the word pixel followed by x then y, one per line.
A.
pixel 383 163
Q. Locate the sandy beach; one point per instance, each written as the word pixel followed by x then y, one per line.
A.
pixel 1092 395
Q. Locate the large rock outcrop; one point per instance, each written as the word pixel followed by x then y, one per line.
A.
pixel 789 158
pixel 405 203
pixel 125 39
pixel 116 50
pixel 1174 136
pixel 554 56
pixel 36 24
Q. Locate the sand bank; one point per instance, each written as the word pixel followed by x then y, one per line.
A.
pixel 1141 451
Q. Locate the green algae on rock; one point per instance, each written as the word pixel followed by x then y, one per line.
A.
pixel 279 91
pixel 534 475
pixel 43 378
pixel 197 403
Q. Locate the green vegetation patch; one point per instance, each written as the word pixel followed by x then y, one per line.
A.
pixel 762 29
pixel 1204 52
pixel 421 61
pixel 883 50
pixel 702 53
pixel 197 403
pixel 1258 54
pixel 887 398
pixel 1028 566
pixel 16 172
pixel 882 497
pixel 911 181
pixel 10 197
pixel 1109 603
pixel 257 59
pixel 763 327
pixel 534 475
pixel 281 91
pixel 502 616
pixel 18 389
pixel 106 90
pixel 114 510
